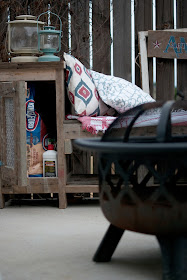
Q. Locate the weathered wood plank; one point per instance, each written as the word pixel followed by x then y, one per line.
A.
pixel 8 175
pixel 73 130
pixel 3 28
pixel 122 39
pixel 8 143
pixel 101 36
pixel 44 71
pixel 32 65
pixel 101 50
pixel 167 44
pixel 7 89
pixel 143 22
pixel 81 49
pixel 34 189
pixel 2 130
pixel 2 199
pixel 164 68
pixel 68 148
pixel 144 71
pixel 25 75
pixel 60 116
pixel 80 30
pixel 82 189
pixel 20 133
pixel 165 80
pixel 181 64
pixel 83 183
pixel 83 179
pixel 34 181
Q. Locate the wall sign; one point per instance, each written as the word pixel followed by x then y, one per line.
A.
pixel 167 44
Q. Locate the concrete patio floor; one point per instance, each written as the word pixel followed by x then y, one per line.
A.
pixel 38 241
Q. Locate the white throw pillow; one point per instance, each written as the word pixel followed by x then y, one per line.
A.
pixel 119 93
pixel 81 89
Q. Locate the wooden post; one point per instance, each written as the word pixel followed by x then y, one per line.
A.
pixel 1 195
pixel 2 199
pixel 20 133
pixel 60 115
pixel 144 70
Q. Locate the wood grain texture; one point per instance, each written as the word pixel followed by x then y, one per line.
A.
pixel 81 50
pixel 164 67
pixel 80 30
pixel 167 44
pixel 143 60
pixel 101 36
pixel 20 133
pixel 60 116
pixel 122 39
pixel 143 22
pixel 181 64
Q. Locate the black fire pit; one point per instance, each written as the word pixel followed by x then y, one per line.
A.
pixel 143 186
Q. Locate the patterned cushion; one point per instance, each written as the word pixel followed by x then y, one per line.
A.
pixel 119 93
pixel 81 90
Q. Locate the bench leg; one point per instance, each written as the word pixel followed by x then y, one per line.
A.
pixel 174 257
pixel 2 197
pixel 2 200
pixel 108 244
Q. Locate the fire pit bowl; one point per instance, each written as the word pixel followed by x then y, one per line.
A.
pixel 142 185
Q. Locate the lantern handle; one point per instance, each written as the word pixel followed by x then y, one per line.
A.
pixel 59 47
pixel 54 15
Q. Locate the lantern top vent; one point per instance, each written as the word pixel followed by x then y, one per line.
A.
pixel 25 18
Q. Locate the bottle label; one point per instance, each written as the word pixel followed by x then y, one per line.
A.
pixel 50 170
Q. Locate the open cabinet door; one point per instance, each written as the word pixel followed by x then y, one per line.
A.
pixel 13 172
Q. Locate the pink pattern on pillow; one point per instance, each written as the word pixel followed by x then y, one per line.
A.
pixel 81 89
pixel 78 69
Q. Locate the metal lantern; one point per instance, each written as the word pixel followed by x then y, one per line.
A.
pixel 49 41
pixel 23 39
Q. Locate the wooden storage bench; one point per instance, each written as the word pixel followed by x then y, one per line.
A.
pixel 13 175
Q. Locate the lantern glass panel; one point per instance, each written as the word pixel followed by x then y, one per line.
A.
pixel 49 41
pixel 24 38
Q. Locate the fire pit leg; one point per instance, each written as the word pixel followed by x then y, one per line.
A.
pixel 108 244
pixel 174 257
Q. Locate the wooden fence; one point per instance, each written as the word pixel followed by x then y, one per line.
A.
pixel 87 34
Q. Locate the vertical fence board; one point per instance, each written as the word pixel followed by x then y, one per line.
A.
pixel 122 38
pixel 80 30
pixel 80 48
pixel 165 67
pixel 3 28
pixel 101 45
pixel 101 36
pixel 143 22
pixel 182 65
pixel 64 17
